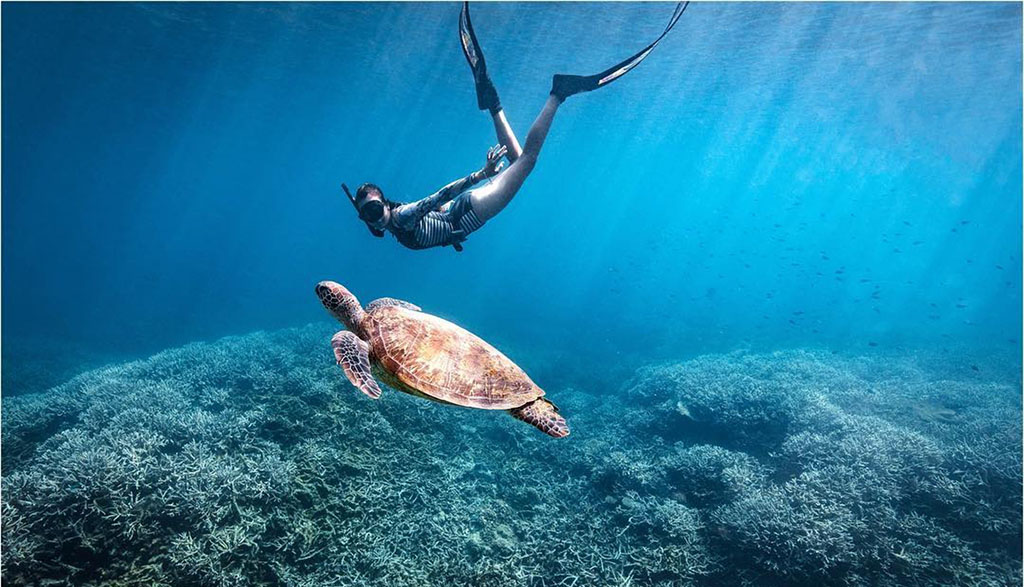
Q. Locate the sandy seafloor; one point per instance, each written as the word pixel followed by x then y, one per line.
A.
pixel 250 460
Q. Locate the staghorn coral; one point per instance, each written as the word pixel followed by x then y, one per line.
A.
pixel 706 475
pixel 736 401
pixel 251 461
pixel 855 486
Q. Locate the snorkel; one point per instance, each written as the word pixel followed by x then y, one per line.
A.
pixel 374 231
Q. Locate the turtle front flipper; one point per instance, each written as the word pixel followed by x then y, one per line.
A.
pixel 544 415
pixel 353 354
pixel 381 302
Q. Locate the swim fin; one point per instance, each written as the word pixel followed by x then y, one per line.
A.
pixel 563 86
pixel 486 95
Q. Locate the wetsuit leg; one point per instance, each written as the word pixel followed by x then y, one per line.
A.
pixel 490 199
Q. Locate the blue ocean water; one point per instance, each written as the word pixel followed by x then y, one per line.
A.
pixel 173 172
pixel 818 180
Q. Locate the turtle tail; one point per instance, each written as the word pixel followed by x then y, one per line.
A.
pixel 544 415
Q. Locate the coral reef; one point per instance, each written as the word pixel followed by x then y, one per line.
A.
pixel 35 365
pixel 251 460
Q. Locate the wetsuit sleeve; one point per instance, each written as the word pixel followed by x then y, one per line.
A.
pixel 408 214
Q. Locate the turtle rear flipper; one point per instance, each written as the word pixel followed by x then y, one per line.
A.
pixel 544 415
pixel 353 354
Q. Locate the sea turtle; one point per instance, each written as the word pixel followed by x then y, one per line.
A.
pixel 428 357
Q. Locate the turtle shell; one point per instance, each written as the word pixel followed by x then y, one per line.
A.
pixel 428 356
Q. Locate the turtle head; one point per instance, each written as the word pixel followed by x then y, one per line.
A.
pixel 341 304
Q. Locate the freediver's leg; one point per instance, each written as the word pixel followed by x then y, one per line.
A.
pixel 506 137
pixel 490 199
pixel 486 94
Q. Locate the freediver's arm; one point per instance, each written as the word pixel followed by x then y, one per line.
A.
pixel 411 213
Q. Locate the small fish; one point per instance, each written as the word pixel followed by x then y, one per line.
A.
pixel 872 343
pixel 975 368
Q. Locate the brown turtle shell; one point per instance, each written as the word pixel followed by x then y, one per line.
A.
pixel 430 357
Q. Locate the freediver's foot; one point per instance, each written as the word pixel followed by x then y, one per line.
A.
pixel 563 86
pixel 486 94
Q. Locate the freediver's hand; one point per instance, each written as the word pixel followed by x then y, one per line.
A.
pixel 494 163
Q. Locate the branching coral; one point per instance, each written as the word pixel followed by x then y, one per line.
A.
pixel 251 461
pixel 707 475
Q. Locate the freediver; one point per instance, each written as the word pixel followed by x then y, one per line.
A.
pixel 449 215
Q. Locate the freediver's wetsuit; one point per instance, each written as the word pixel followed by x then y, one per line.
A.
pixel 421 224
